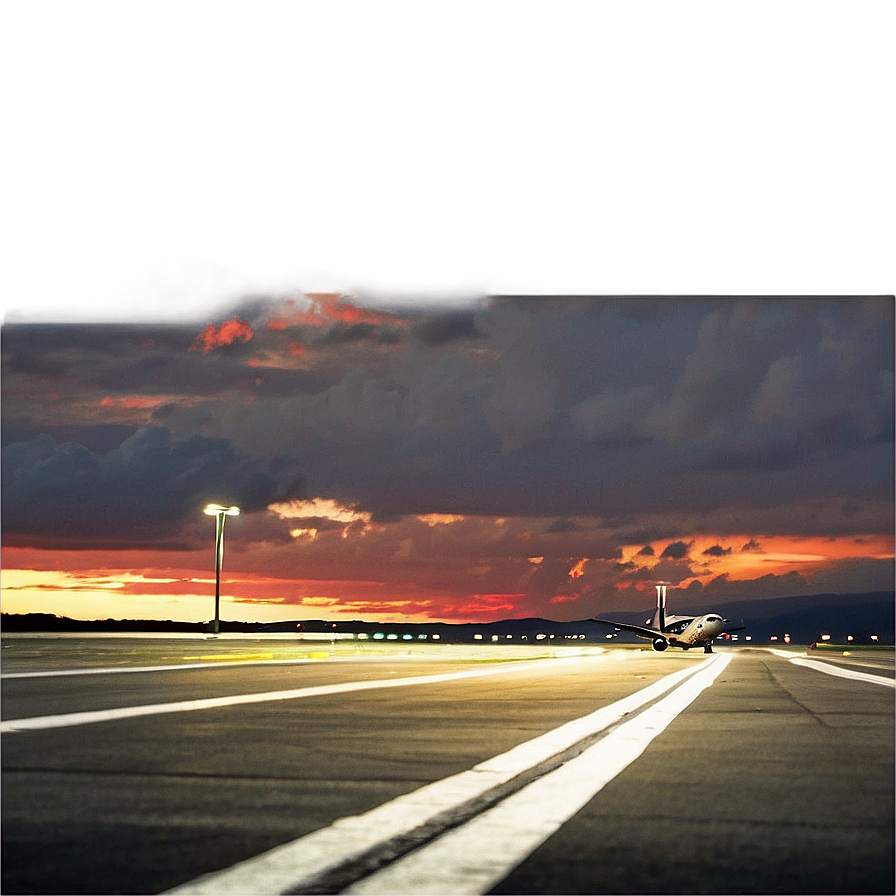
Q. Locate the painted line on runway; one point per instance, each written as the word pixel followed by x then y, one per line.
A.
pixel 837 671
pixel 240 660
pixel 473 858
pixel 67 720
pixel 312 863
pixel 174 667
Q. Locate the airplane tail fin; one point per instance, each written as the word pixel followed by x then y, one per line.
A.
pixel 659 618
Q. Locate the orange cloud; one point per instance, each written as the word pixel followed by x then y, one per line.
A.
pixel 323 308
pixel 230 331
pixel 743 557
pixel 131 402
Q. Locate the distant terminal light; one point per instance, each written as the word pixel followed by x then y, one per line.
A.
pixel 477 637
pixel 849 637
pixel 773 638
pixel 875 637
pixel 825 637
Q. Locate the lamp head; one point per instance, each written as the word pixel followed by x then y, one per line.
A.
pixel 215 509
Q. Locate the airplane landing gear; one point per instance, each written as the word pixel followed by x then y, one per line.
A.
pixel 707 648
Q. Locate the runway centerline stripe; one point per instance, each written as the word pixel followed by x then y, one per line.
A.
pixel 300 865
pixel 67 720
pixel 837 671
pixel 473 858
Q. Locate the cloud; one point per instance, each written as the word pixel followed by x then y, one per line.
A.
pixel 564 525
pixel 145 489
pixel 230 331
pixel 676 550
pixel 583 424
pixel 621 405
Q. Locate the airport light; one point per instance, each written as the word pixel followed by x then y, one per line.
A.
pixel 219 511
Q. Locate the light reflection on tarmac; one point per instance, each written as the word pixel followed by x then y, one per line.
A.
pixel 787 773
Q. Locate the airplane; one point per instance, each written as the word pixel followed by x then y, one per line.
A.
pixel 679 631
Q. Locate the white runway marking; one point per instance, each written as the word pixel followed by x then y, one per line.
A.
pixel 838 671
pixel 294 867
pixel 67 720
pixel 224 663
pixel 472 858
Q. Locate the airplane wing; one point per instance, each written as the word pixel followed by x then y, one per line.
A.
pixel 639 630
pixel 734 625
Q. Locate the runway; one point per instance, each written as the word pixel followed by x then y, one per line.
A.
pixel 266 765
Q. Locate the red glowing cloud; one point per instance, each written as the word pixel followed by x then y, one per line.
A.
pixel 230 331
pixel 323 308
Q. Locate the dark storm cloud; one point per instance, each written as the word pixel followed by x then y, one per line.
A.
pixel 717 550
pixel 677 550
pixel 563 526
pixel 446 327
pixel 528 419
pixel 415 303
pixel 143 489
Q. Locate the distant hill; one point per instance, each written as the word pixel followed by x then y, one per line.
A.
pixel 804 617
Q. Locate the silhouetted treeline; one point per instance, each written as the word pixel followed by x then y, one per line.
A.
pixel 48 622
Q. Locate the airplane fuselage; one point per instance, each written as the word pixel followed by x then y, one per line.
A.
pixel 678 631
pixel 690 632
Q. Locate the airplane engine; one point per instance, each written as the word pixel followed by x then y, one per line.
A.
pixel 660 644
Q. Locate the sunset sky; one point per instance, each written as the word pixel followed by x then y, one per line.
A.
pixel 300 257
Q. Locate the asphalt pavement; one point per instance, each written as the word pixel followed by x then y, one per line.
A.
pixel 139 765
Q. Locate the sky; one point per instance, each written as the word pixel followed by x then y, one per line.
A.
pixel 312 259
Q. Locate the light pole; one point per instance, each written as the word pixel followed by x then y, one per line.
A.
pixel 219 511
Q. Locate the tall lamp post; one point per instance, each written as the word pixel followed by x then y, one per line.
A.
pixel 219 511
